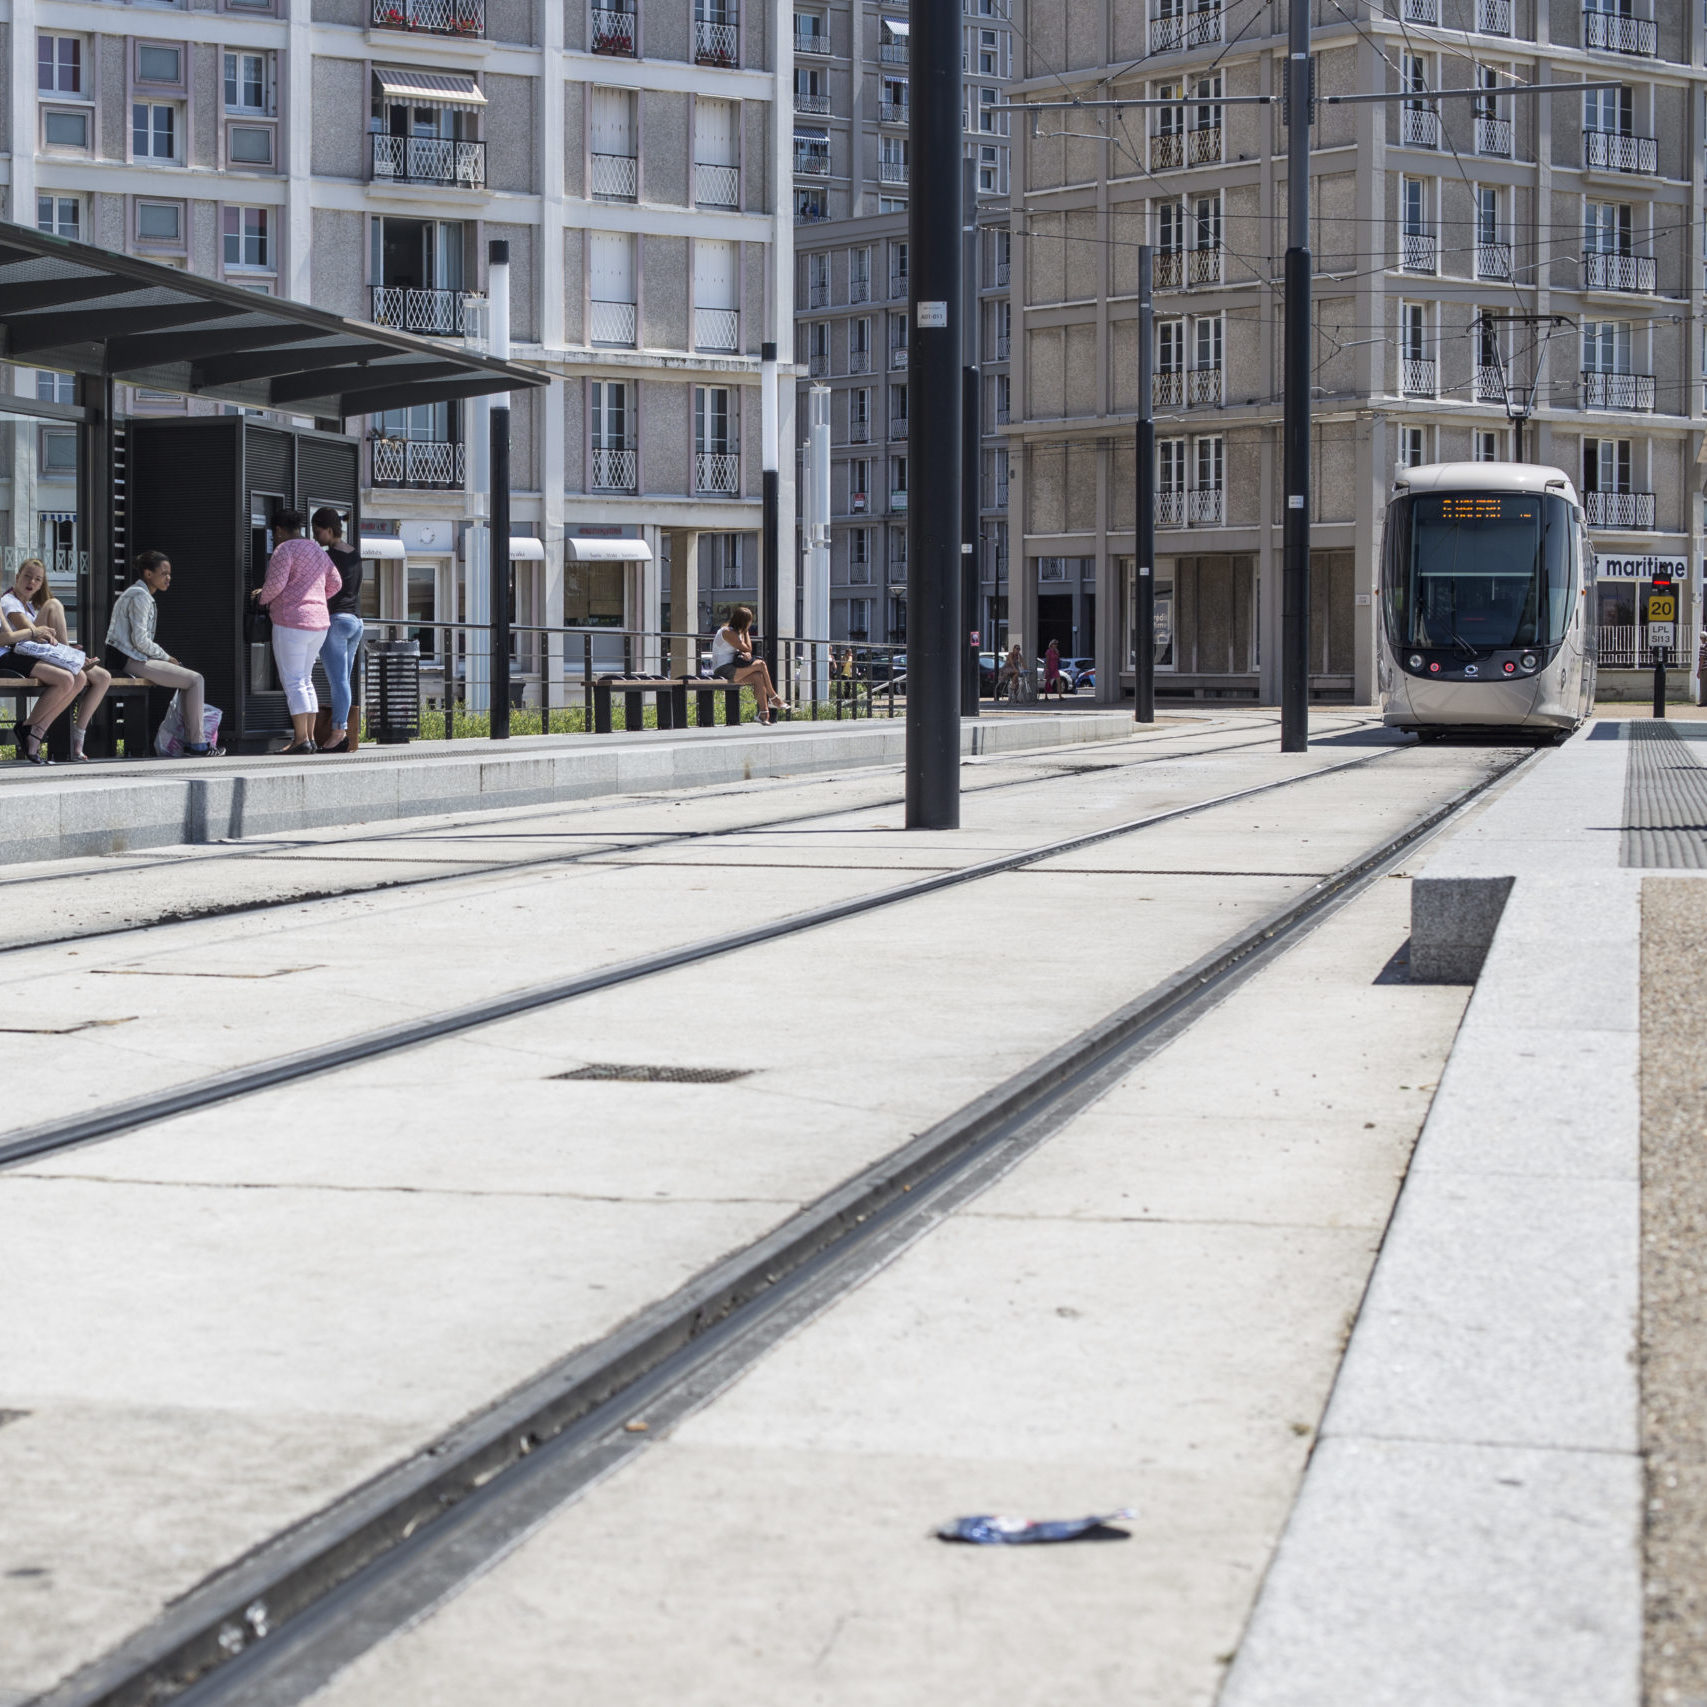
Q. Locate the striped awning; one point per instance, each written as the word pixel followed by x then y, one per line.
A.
pixel 428 88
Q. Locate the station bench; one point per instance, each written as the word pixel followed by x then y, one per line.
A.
pixel 671 695
pixel 125 707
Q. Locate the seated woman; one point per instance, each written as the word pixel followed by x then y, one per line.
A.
pixel 732 659
pixel 30 603
pixel 58 686
pixel 130 634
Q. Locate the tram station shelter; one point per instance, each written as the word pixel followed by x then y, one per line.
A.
pixel 81 483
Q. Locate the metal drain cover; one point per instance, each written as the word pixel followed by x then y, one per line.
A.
pixel 643 1075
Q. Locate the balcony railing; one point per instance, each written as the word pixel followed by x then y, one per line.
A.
pixel 859 361
pixel 612 32
pixel 437 313
pixel 717 472
pixel 897 426
pixel 892 53
pixel 1004 270
pixel 892 171
pixel 716 186
pixel 613 324
pixel 714 44
pixel 1493 136
pixel 1493 17
pixel 1004 347
pixel 811 41
pixel 716 329
pixel 1177 267
pixel 429 463
pixel 1619 509
pixel 1612 151
pixel 859 288
pixel 859 432
pixel 897 282
pixel 1417 376
pixel 1490 384
pixel 616 177
pixel 429 160
pixel 1167 150
pixel 1205 385
pixel 811 103
pixel 811 162
pixel 1618 391
pixel 1204 144
pixel 1170 509
pixel 818 364
pixel 1420 251
pixel 615 470
pixel 1605 271
pixel 818 294
pixel 1167 389
pixel 1185 30
pixel 894 112
pixel 1611 33
pixel 1421 12
pixel 1419 127
pixel 431 17
pixel 1493 260
pixel 1206 507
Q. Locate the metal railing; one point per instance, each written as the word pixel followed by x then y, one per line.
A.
pixel 804 103
pixel 429 160
pixel 1490 384
pixel 716 186
pixel 1167 150
pixel 818 294
pixel 1184 30
pixel 717 472
pixel 1205 385
pixel 615 470
pixel 612 32
pixel 818 364
pixel 859 288
pixel 614 324
pixel 1167 389
pixel 1203 265
pixel 1633 510
pixel 811 41
pixel 1493 136
pixel 1419 127
pixel 1618 390
pixel 859 432
pixel 418 463
pixel 1612 151
pixel 1003 347
pixel 1611 32
pixel 1603 270
pixel 431 17
pixel 616 177
pixel 892 53
pixel 714 44
pixel 1493 17
pixel 1493 260
pixel 859 361
pixel 897 282
pixel 1419 251
pixel 1417 376
pixel 1170 509
pixel 1003 271
pixel 716 329
pixel 1624 646
pixel 436 313
pixel 892 171
pixel 897 426
pixel 812 162
pixel 1204 144
pixel 894 112
pixel 1206 507
pixel 1421 12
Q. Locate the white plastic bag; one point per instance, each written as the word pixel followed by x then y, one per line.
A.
pixel 169 737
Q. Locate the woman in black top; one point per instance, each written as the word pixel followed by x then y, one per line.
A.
pixel 344 640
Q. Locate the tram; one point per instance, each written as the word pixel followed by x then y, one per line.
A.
pixel 1487 602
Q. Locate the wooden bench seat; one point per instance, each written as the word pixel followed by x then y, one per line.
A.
pixel 671 694
pixel 125 707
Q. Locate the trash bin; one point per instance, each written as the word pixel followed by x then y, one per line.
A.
pixel 397 699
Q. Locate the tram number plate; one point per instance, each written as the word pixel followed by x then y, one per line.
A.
pixel 1662 607
pixel 1662 633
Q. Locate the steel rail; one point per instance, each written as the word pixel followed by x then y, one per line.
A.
pixel 276 1625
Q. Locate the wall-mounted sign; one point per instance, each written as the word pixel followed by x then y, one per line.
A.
pixel 1618 568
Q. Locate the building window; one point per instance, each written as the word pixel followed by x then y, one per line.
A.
pixel 859 485
pixel 859 275
pixel 54 387
pixel 249 83
pixel 247 233
pixel 859 619
pixel 65 127
pixel 716 462
pixel 160 222
pixel 818 280
pixel 1606 465
pixel 859 415
pixel 1606 346
pixel 59 65
pixel 859 556
pixel 859 344
pixel 154 130
pixel 810 206
pixel 614 459
pixel 158 62
pixel 60 216
pixel 1485 446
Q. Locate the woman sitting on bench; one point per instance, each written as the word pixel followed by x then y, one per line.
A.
pixel 59 684
pixel 733 660
pixel 130 635
pixel 29 602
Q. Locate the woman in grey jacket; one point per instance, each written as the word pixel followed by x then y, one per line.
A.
pixel 131 634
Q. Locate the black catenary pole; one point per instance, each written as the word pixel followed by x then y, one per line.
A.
pixel 971 440
pixel 498 598
pixel 770 624
pixel 1295 483
pixel 1144 540
pixel 935 635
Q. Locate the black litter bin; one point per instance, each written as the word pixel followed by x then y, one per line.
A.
pixel 397 699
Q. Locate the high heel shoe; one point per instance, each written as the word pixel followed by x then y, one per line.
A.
pixel 297 748
pixel 341 745
pixel 32 746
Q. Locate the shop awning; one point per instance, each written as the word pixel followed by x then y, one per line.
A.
pixel 606 551
pixel 428 88
pixel 812 138
pixel 524 549
pixel 895 26
pixel 89 311
pixel 383 550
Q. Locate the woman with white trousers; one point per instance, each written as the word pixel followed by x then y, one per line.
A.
pixel 300 578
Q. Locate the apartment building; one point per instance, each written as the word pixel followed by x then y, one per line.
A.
pixel 1473 258
pixel 852 168
pixel 359 155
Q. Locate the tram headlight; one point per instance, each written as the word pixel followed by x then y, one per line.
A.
pixel 1529 660
pixel 1510 668
pixel 1416 660
pixel 1434 668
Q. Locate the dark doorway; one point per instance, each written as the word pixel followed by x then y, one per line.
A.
pixel 1055 622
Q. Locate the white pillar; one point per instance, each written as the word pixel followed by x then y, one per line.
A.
pixel 297 104
pixel 816 604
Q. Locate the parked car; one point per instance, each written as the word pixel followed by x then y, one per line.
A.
pixel 1079 673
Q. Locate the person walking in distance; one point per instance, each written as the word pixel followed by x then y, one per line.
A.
pixel 1052 671
pixel 300 579
pixel 344 637
pixel 130 637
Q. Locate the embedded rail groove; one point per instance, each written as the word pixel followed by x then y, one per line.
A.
pixel 564 1427
pixel 119 1117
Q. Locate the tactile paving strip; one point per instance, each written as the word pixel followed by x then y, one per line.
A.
pixel 1665 799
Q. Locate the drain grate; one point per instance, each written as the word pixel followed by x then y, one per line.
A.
pixel 1665 800
pixel 643 1075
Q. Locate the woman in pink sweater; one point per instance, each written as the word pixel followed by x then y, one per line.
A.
pixel 300 578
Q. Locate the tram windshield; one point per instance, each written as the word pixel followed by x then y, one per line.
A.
pixel 1478 572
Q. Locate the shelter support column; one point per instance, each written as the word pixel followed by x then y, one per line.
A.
pixel 684 600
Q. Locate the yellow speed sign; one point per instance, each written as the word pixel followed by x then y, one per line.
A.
pixel 1662 607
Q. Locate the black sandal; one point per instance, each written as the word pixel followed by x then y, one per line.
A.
pixel 32 747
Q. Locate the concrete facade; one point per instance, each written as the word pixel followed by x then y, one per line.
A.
pixel 277 144
pixel 1424 217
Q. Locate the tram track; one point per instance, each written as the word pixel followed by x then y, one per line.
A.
pixel 269 1629
pixel 275 849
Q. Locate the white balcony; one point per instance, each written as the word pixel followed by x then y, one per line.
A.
pixel 1417 376
pixel 1170 509
pixel 1619 509
pixel 892 53
pixel 1490 384
pixel 1421 12
pixel 616 177
pixel 1420 251
pixel 1183 30
pixel 859 361
pixel 1206 507
pixel 894 112
pixel 859 288
pixel 715 44
pixel 437 313
pixel 612 32
pixel 716 329
pixel 429 160
pixel 1493 136
pixel 1167 389
pixel 613 324
pixel 1618 391
pixel 811 162
pixel 805 103
pixel 1612 151
pixel 1493 260
pixel 1167 150
pixel 1493 17
pixel 716 186
pixel 1419 127
pixel 432 17
pixel 1609 32
pixel 717 473
pixel 1203 145
pixel 615 470
pixel 892 171
pixel 1605 271
pixel 418 463
pixel 1205 385
pixel 811 41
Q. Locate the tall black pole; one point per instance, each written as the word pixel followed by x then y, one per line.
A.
pixel 971 408
pixel 498 279
pixel 1144 540
pixel 1295 533
pixel 935 634
pixel 770 621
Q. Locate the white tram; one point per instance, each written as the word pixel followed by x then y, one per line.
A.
pixel 1487 602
